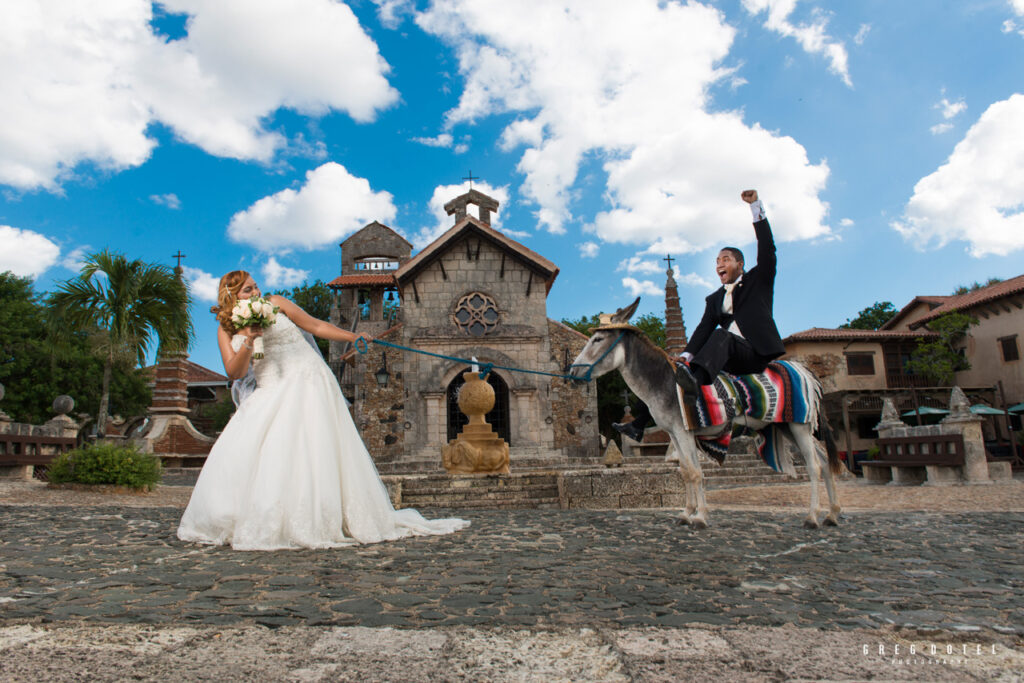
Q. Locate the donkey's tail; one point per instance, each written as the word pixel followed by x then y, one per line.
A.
pixel 824 432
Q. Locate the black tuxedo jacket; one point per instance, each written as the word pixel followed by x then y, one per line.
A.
pixel 752 301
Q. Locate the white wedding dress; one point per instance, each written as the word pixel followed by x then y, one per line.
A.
pixel 290 470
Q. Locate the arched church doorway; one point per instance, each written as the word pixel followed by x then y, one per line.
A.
pixel 498 418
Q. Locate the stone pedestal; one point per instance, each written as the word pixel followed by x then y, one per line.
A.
pixel 962 420
pixel 943 476
pixel 171 435
pixel 877 475
pixel 907 476
pixel 477 448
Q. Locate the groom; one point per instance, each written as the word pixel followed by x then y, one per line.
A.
pixel 737 333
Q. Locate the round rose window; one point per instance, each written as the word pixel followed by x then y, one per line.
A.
pixel 476 314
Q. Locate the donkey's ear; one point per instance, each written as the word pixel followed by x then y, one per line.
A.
pixel 624 314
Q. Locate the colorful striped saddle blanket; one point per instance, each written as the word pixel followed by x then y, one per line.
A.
pixel 784 392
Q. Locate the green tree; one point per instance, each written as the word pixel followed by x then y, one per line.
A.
pixel 314 298
pixel 975 286
pixel 39 361
pixel 872 317
pixel 938 359
pixel 611 388
pixel 128 303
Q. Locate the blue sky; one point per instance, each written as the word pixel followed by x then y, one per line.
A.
pixel 885 138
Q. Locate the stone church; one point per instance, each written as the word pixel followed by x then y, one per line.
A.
pixel 472 293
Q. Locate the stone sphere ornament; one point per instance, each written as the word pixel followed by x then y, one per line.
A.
pixel 477 449
pixel 63 404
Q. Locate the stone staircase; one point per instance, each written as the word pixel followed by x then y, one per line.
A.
pixel 741 467
pixel 533 491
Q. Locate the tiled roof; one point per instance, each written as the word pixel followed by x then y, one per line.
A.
pixel 826 334
pixel 196 374
pixel 435 248
pixel 360 279
pixel 979 297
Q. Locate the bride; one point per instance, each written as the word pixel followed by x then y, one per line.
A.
pixel 290 470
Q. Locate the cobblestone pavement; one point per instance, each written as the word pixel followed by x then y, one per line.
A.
pixel 612 595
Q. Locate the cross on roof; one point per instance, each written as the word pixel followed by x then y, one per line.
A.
pixel 471 178
pixel 178 256
pixel 669 259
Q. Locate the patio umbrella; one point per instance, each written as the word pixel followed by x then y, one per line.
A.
pixel 926 410
pixel 982 409
pixel 1019 408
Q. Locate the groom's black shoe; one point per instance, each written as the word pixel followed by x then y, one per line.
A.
pixel 629 429
pixel 687 382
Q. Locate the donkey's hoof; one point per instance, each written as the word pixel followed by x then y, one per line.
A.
pixel 682 520
pixel 831 521
pixel 698 523
pixel 811 523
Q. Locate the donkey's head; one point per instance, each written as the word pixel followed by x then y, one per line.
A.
pixel 604 352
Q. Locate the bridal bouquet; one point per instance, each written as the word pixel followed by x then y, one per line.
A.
pixel 257 311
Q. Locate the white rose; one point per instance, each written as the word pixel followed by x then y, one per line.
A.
pixel 268 310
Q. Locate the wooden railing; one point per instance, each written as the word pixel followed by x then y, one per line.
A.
pixel 23 449
pixel 917 451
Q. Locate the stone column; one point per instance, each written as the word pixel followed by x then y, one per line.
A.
pixel 437 418
pixel 528 420
pixel 675 330
pixel 962 421
pixel 171 435
pixel 890 426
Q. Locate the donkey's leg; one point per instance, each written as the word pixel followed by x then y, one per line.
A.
pixel 805 442
pixel 689 462
pixel 832 518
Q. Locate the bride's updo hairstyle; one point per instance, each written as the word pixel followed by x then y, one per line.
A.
pixel 227 297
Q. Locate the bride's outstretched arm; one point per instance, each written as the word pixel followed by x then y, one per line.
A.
pixel 317 328
pixel 236 363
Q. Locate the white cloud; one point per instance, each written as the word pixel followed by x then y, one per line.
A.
pixel 812 37
pixel 978 195
pixel 116 78
pixel 862 34
pixel 1018 6
pixel 632 91
pixel 169 200
pixel 444 194
pixel 641 287
pixel 276 275
pixel 75 259
pixel 330 206
pixel 846 222
pixel 950 109
pixel 940 128
pixel 202 285
pixel 442 140
pixel 695 280
pixel 390 12
pixel 26 253
pixel 589 249
pixel 636 264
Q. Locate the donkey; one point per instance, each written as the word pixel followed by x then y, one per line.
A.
pixel 649 373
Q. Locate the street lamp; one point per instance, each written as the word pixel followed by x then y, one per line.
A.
pixel 382 374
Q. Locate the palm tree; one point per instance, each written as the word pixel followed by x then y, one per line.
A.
pixel 127 302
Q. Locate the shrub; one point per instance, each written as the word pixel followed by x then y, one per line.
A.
pixel 106 464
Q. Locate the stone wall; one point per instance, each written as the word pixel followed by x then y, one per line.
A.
pixel 380 411
pixel 573 414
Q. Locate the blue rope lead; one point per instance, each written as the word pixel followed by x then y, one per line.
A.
pixel 363 347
